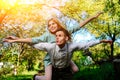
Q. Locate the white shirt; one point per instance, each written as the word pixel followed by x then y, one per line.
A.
pixel 60 57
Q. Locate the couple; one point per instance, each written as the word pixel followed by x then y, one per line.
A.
pixel 53 26
pixel 61 53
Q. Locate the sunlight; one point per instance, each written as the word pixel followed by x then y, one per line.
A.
pixel 27 1
pixel 9 2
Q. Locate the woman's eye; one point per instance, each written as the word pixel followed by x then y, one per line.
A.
pixel 53 23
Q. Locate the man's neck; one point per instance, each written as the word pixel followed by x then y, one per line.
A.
pixel 61 46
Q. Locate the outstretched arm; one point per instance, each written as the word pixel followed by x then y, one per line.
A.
pixel 13 39
pixel 42 38
pixel 86 45
pixel 90 19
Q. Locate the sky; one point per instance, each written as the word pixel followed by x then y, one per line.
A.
pixel 83 36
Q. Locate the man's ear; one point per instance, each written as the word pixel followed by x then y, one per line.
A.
pixel 66 38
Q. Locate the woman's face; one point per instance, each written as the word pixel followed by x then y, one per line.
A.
pixel 52 27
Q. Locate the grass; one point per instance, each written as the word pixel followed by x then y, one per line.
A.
pixel 103 72
pixel 25 75
pixel 18 77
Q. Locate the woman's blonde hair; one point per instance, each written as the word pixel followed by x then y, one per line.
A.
pixel 60 25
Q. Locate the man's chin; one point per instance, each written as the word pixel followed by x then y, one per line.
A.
pixel 58 44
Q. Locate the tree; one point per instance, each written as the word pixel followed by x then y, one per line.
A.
pixel 109 25
pixel 22 21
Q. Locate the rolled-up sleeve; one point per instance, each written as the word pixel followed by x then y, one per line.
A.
pixel 41 38
pixel 73 26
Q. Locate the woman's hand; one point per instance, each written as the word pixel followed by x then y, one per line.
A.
pixel 11 38
pixel 98 14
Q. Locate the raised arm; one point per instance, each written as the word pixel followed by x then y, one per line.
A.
pixel 90 19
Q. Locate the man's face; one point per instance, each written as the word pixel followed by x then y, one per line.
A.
pixel 61 38
pixel 52 26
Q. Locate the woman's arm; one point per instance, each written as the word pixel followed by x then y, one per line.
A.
pixel 13 39
pixel 90 19
pixel 76 26
pixel 42 38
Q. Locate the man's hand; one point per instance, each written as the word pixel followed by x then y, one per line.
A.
pixel 107 41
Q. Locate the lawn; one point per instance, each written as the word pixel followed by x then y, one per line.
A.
pixel 103 72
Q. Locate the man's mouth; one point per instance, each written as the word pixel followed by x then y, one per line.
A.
pixel 57 41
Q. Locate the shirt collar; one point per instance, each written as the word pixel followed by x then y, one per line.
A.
pixel 61 49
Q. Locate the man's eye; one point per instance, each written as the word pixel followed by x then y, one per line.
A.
pixel 60 35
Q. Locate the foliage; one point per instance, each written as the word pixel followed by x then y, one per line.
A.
pixel 106 27
pixel 82 59
pixel 29 20
pixel 5 70
pixel 94 72
pixel 18 77
pixel 29 23
pixel 100 52
pixel 78 8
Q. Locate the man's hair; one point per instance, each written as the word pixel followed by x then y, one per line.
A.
pixel 66 33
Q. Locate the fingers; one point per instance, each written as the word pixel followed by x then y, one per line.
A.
pixel 98 14
pixel 110 42
pixel 11 37
pixel 101 12
pixel 8 37
pixel 5 40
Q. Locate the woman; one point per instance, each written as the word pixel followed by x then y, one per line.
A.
pixel 53 26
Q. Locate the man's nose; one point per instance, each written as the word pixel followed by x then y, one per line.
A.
pixel 56 37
